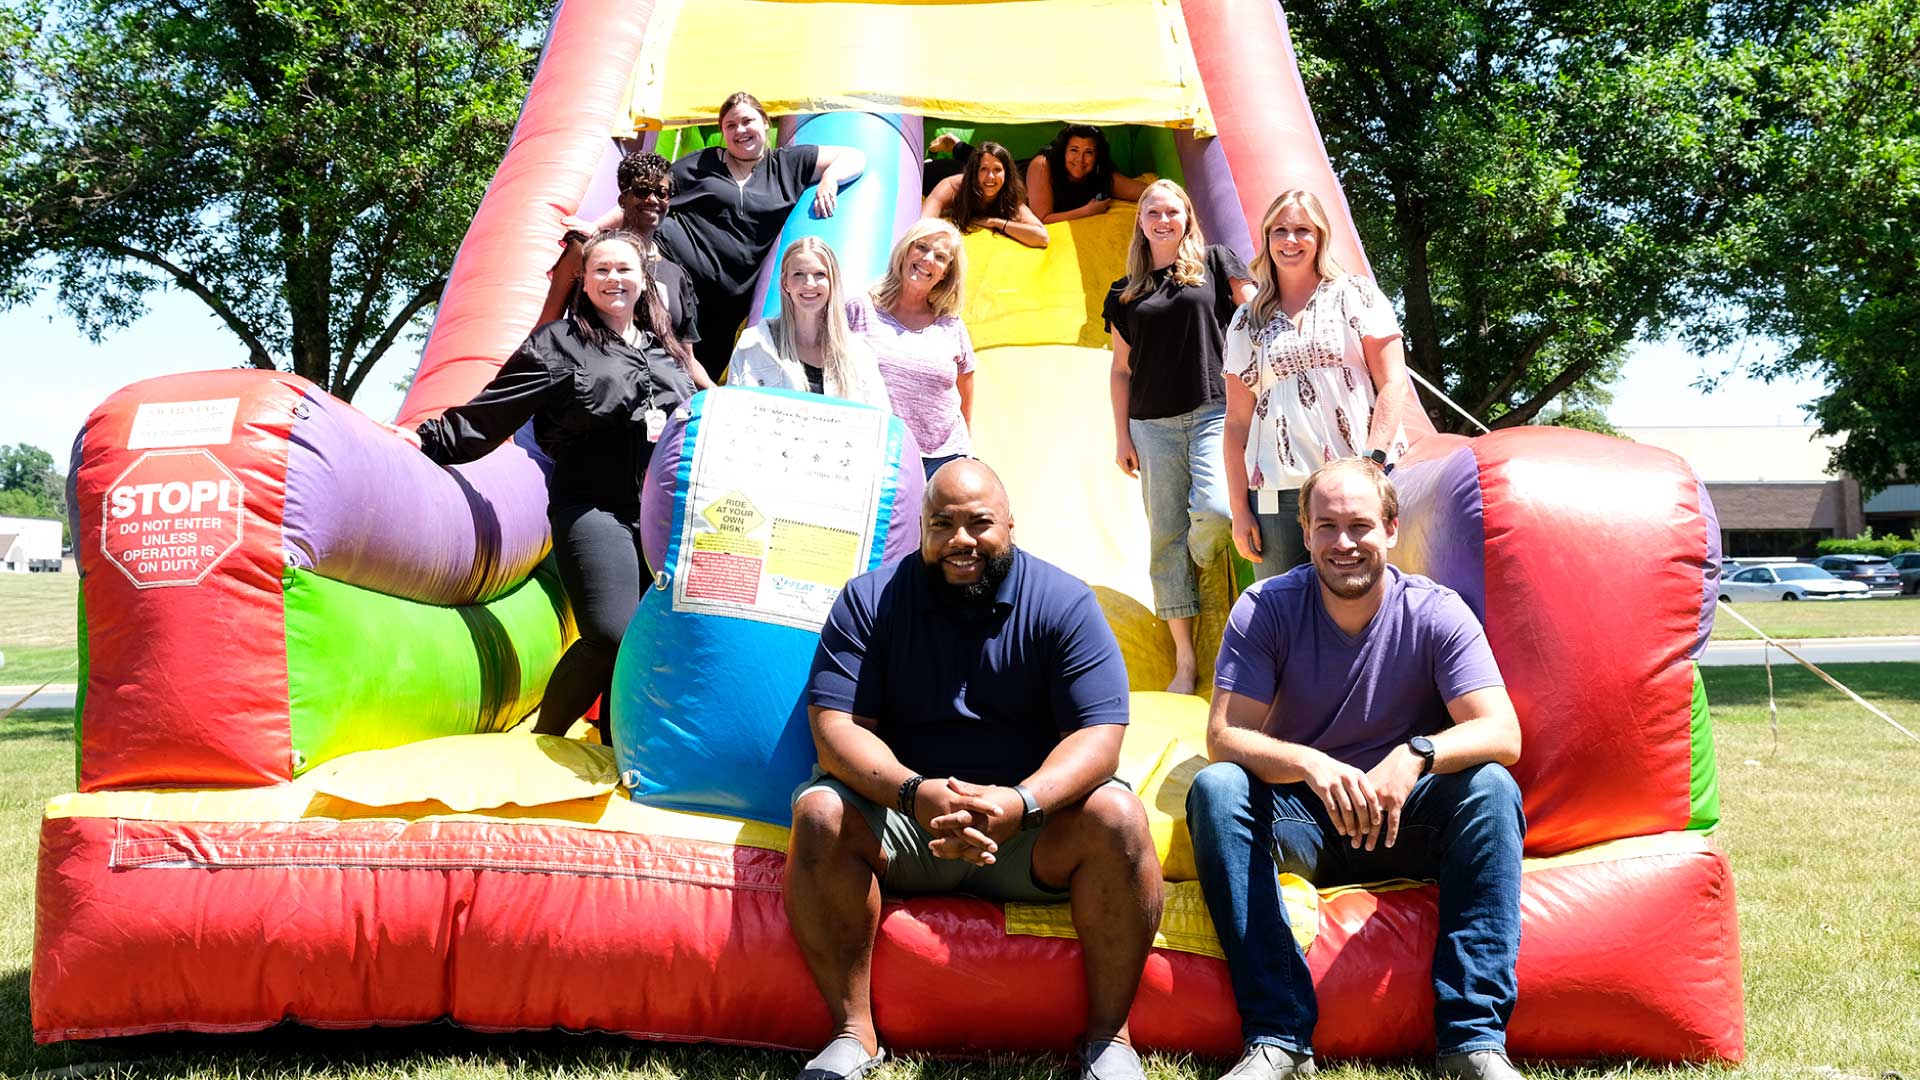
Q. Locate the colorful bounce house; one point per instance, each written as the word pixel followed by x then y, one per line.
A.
pixel 306 647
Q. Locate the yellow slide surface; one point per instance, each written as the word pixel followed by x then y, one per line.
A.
pixel 1043 418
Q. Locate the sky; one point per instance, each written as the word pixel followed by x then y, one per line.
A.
pixel 51 376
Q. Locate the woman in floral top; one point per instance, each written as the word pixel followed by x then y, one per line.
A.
pixel 1315 372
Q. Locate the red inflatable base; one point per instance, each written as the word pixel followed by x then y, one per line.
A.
pixel 148 926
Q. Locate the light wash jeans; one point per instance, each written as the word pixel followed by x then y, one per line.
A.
pixel 1183 482
pixel 1463 829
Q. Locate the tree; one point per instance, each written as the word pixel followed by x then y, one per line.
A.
pixel 1542 181
pixel 306 168
pixel 30 486
pixel 1828 257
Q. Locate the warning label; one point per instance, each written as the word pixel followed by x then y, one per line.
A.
pixel 733 513
pixel 171 517
pixel 814 553
pixel 718 576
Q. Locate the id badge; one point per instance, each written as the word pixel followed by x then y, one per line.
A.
pixel 1266 501
pixel 656 421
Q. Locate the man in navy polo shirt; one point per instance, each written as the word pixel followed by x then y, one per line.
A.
pixel 967 705
pixel 1359 729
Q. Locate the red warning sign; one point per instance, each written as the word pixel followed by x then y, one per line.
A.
pixel 171 517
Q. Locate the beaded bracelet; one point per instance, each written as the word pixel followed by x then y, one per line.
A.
pixel 908 791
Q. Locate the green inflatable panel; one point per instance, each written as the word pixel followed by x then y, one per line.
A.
pixel 366 670
pixel 1706 771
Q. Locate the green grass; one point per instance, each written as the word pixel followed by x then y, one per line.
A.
pixel 1822 829
pixel 1881 616
pixel 38 627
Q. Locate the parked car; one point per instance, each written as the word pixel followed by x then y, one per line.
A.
pixel 1790 581
pixel 1876 573
pixel 1907 564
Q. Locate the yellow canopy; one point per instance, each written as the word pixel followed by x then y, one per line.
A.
pixel 1095 61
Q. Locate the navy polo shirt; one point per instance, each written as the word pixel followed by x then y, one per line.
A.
pixel 983 693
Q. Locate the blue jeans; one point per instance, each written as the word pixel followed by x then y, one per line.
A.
pixel 1182 481
pixel 1281 546
pixel 1464 829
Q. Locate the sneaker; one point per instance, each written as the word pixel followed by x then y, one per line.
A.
pixel 1264 1062
pixel 843 1059
pixel 1110 1059
pixel 1479 1065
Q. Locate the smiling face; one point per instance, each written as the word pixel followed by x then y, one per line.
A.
pixel 745 131
pixel 1293 243
pixel 804 286
pixel 613 280
pixel 966 529
pixel 1163 218
pixel 989 177
pixel 1348 534
pixel 1080 155
pixel 644 205
pixel 928 259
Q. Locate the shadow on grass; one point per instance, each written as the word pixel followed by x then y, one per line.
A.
pixel 37 724
pixel 1896 685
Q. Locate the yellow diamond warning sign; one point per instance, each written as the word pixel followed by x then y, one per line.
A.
pixel 733 513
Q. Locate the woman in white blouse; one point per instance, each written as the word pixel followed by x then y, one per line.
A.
pixel 808 346
pixel 1315 371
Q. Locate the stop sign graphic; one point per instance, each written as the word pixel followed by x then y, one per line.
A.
pixel 171 517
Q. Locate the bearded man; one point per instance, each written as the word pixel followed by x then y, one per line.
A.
pixel 1360 730
pixel 967 705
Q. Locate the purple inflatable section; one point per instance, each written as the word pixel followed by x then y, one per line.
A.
pixel 366 508
pixel 1209 183
pixel 1710 595
pixel 1442 531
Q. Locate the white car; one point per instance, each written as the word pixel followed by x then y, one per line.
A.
pixel 1790 581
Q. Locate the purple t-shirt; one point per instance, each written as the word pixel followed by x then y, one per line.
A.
pixel 920 368
pixel 1353 698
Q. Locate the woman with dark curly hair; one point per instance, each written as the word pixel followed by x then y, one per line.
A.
pixel 987 195
pixel 1074 177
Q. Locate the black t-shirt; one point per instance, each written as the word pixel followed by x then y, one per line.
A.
pixel 588 408
pixel 1177 335
pixel 683 308
pixel 719 230
pixel 1071 194
pixel 816 377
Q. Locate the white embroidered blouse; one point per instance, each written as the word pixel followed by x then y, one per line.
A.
pixel 1313 395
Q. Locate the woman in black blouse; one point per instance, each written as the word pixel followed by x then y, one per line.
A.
pixel 1168 319
pixel 598 385
pixel 730 203
pixel 1074 177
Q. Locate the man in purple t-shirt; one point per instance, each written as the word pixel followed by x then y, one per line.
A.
pixel 1359 731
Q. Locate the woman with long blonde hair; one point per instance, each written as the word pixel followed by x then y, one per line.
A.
pixel 1167 319
pixel 911 321
pixel 1315 371
pixel 808 346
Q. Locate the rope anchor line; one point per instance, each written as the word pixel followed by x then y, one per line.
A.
pixel 1767 658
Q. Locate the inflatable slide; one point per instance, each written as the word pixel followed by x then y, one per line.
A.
pixel 305 789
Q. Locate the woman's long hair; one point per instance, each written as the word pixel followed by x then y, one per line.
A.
pixel 969 206
pixel 836 364
pixel 1267 297
pixel 1189 263
pixel 1056 154
pixel 650 314
pixel 944 297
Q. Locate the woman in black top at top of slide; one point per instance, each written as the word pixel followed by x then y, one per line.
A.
pixel 729 205
pixel 1074 177
pixel 987 195
pixel 598 386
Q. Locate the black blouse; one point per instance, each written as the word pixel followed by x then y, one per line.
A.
pixel 588 408
pixel 720 230
pixel 1176 335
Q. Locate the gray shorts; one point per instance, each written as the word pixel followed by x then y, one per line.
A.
pixel 914 870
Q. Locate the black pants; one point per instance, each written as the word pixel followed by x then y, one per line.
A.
pixel 719 319
pixel 603 569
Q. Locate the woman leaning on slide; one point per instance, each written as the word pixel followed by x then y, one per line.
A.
pixel 809 345
pixel 987 195
pixel 1074 177
pixel 911 321
pixel 1314 372
pixel 730 203
pixel 1167 319
pixel 598 385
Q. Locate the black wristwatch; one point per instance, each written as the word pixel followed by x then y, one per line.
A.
pixel 1034 816
pixel 1423 746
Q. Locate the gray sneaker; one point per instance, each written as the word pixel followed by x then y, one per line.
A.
pixel 843 1059
pixel 1479 1065
pixel 1263 1062
pixel 1110 1059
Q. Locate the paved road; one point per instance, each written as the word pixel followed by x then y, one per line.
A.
pixel 1719 654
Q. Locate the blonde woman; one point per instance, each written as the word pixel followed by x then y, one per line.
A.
pixel 1167 319
pixel 1315 372
pixel 809 347
pixel 911 321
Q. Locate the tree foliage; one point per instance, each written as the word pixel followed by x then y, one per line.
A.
pixel 1544 181
pixel 306 168
pixel 30 486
